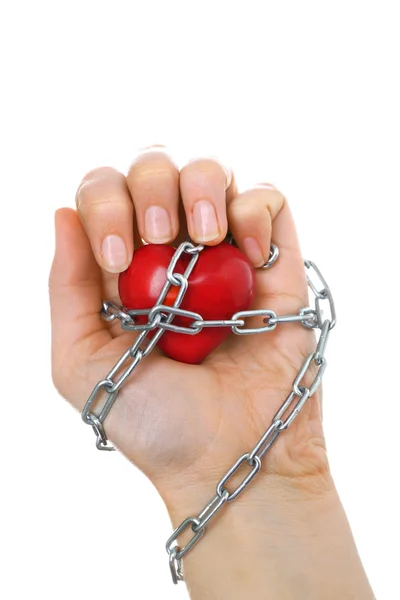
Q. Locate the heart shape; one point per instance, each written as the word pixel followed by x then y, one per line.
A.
pixel 221 284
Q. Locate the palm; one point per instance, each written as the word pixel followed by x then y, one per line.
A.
pixel 177 416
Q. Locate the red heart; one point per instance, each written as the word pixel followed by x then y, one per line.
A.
pixel 221 283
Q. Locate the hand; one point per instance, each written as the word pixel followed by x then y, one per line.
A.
pixel 178 421
pixel 185 425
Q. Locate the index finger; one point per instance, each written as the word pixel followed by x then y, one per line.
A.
pixel 105 206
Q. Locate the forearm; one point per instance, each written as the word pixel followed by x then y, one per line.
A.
pixel 275 542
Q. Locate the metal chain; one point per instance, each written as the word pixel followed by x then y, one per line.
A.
pixel 159 318
pixel 307 316
pixel 141 347
pixel 285 416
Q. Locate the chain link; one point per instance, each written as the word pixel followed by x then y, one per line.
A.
pixel 291 407
pixel 255 463
pixel 142 346
pixel 110 311
pixel 159 320
pixel 306 316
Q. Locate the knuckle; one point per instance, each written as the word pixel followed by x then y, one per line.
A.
pixel 209 167
pixel 260 202
pixel 88 188
pixel 146 175
pixel 152 163
pixel 272 194
pixel 242 209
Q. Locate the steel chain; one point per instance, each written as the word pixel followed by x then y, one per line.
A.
pixel 159 317
pixel 298 396
pixel 140 348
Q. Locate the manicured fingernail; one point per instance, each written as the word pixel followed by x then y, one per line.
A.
pixel 157 224
pixel 205 221
pixel 253 251
pixel 114 252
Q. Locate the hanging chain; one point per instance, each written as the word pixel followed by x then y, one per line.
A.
pixel 298 396
pixel 159 318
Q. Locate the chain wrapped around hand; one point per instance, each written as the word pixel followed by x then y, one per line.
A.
pixel 160 318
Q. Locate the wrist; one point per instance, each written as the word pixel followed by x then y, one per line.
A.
pixel 278 535
pixel 271 504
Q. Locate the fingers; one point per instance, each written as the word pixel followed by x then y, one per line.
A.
pixel 250 220
pixel 156 186
pixel 75 290
pixel 153 181
pixel 205 187
pixel 150 195
pixel 258 217
pixel 111 206
pixel 105 207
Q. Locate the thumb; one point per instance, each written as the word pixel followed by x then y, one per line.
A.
pixel 75 294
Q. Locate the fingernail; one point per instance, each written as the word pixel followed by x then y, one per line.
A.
pixel 253 251
pixel 114 252
pixel 157 224
pixel 205 221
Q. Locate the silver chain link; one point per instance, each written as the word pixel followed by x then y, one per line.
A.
pixel 291 407
pixel 141 347
pixel 159 318
pixel 236 322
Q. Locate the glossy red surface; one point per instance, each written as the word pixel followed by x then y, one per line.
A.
pixel 221 283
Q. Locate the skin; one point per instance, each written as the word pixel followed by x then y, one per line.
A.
pixel 184 425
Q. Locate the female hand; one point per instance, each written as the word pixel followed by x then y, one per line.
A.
pixel 185 425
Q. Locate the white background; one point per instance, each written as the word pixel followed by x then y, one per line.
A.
pixel 302 94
